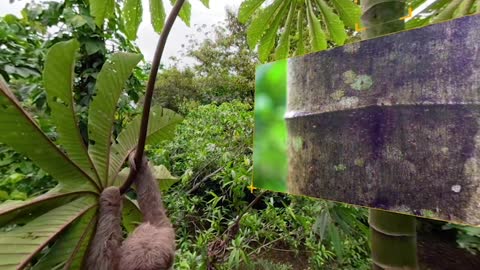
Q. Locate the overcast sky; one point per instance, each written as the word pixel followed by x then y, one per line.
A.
pixel 147 38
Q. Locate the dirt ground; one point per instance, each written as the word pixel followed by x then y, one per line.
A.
pixel 436 251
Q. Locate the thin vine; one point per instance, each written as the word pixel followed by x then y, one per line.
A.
pixel 149 92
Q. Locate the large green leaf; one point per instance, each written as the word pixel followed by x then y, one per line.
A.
pixel 321 224
pixel 157 15
pixel 463 9
pixel 132 17
pixel 164 177
pixel 247 8
pixel 58 78
pixel 427 14
pixel 160 172
pixel 335 26
pixel 15 210
pixel 334 236
pixel 131 214
pixel 102 9
pixel 161 126
pixel 300 41
pixel 20 131
pixel 70 248
pixel 185 12
pixel 283 46
pixel 317 36
pixel 447 12
pixel 109 86
pixel 121 177
pixel 268 40
pixel 349 12
pixel 260 23
pixel 31 238
pixel 206 3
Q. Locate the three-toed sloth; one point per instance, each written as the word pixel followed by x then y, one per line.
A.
pixel 151 246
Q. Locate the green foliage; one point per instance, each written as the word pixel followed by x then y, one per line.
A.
pixel 15 35
pixel 131 14
pixel 21 178
pixel 175 86
pixel 335 26
pixel 326 21
pixel 467 237
pixel 70 244
pixel 262 21
pixel 109 86
pixel 212 152
pixel 24 44
pixel 224 70
pixel 442 10
pixel 21 56
pixel 101 10
pixel 283 46
pixel 270 146
pixel 158 21
pixel 39 231
pixel 317 36
pixel 226 65
pixel 185 11
pixel 267 42
pixel 17 125
pixel 64 215
pixel 348 12
pixel 247 8
pixel 58 77
pixel 209 136
pixel 132 17
pixel 73 20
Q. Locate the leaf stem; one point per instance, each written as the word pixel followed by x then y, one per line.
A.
pixel 149 92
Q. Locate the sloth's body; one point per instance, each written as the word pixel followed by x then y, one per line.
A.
pixel 151 246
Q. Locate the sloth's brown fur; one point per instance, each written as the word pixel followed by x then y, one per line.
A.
pixel 151 246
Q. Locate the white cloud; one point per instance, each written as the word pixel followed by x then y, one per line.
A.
pixel 147 38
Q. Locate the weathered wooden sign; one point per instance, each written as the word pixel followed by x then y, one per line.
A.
pixel 391 122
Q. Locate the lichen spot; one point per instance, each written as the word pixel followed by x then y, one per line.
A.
pixel 360 162
pixel 340 167
pixel 362 82
pixel 456 188
pixel 351 48
pixel 337 95
pixel 349 76
pixel 428 213
pixel 297 143
pixel 348 102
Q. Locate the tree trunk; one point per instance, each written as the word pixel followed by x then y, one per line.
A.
pixel 393 235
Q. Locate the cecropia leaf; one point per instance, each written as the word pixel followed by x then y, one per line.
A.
pixel 20 131
pixel 161 126
pixel 30 239
pixel 58 76
pixel 109 86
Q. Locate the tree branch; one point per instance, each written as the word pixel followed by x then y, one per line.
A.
pixel 197 185
pixel 149 92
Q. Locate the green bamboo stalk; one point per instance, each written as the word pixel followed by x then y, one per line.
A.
pixel 393 244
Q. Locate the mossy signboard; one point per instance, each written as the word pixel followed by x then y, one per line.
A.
pixel 390 123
